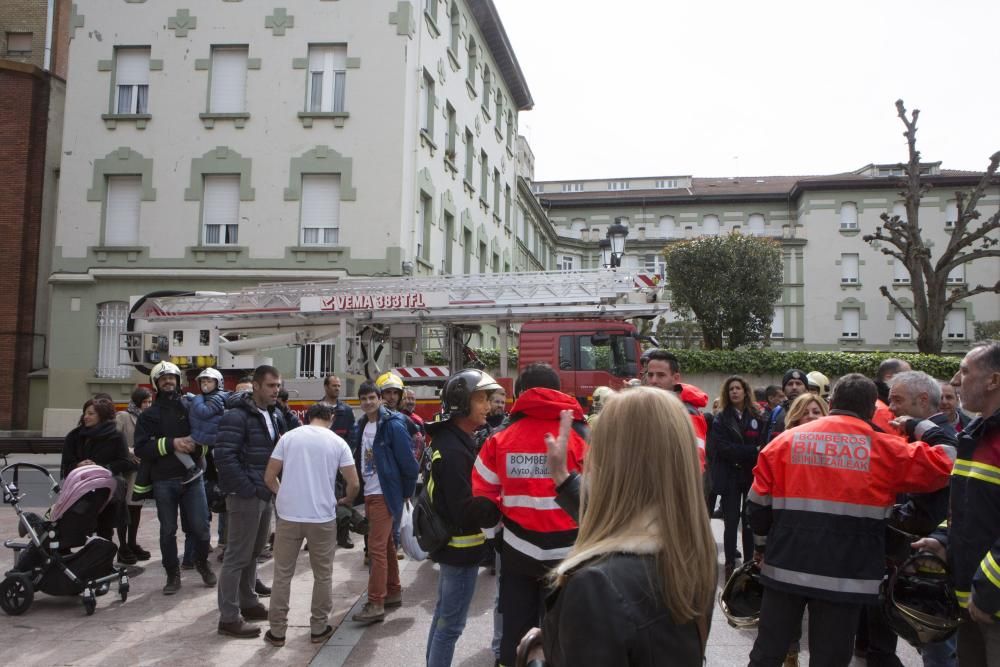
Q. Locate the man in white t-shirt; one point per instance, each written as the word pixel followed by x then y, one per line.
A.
pixel 307 460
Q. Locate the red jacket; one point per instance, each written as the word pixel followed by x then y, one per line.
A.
pixel 820 496
pixel 512 472
pixel 694 400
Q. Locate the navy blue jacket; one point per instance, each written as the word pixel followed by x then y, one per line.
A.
pixel 394 461
pixel 206 411
pixel 734 443
pixel 243 447
pixel 155 430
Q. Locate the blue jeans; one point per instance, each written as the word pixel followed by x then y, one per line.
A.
pixel 941 654
pixel 172 496
pixel 456 585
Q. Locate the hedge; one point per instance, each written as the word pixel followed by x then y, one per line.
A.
pixel 770 362
pixel 832 364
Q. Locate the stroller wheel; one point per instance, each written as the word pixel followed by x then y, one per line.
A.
pixel 89 604
pixel 123 590
pixel 16 595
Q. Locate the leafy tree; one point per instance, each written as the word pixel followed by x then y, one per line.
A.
pixel 729 283
pixel 972 238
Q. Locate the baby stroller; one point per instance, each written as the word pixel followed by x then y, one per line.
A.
pixel 50 560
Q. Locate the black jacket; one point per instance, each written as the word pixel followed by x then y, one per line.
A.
pixel 451 493
pixel 609 613
pixel 243 447
pixel 103 444
pixel 734 442
pixel 155 430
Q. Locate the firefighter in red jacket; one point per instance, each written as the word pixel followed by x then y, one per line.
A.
pixel 663 370
pixel 819 500
pixel 511 477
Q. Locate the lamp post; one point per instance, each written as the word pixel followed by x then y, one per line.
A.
pixel 616 241
pixel 605 246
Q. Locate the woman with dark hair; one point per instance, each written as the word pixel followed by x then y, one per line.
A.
pixel 125 421
pixel 96 441
pixel 735 438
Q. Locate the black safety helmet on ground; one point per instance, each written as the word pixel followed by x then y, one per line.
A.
pixel 919 603
pixel 741 597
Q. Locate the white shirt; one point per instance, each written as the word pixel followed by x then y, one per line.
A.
pixel 311 456
pixel 368 472
pixel 267 420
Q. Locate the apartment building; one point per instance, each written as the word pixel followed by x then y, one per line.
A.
pixel 215 145
pixel 830 298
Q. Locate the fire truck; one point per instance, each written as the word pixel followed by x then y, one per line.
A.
pixel 580 322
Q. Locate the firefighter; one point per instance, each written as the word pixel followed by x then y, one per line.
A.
pixel 818 504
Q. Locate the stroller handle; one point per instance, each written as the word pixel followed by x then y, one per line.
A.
pixel 16 467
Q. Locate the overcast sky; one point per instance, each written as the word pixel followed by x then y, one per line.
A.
pixel 736 88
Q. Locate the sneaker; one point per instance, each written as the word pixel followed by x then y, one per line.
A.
pixel 320 637
pixel 261 589
pixel 205 570
pixel 140 553
pixel 173 582
pixel 187 566
pixel 274 640
pixel 370 613
pixel 238 629
pixel 193 474
pixel 393 601
pixel 126 556
pixel 399 554
pixel 258 612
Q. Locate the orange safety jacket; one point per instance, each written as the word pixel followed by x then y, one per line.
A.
pixel 512 472
pixel 883 417
pixel 820 497
pixel 694 399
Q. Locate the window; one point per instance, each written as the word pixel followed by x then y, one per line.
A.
pixel 467 256
pixel 848 215
pixel 449 232
pixel 431 7
pixel 483 257
pixel 537 188
pixel 484 174
pixel 957 275
pixel 566 263
pixel 18 43
pixel 950 214
pixel 756 224
pixel 668 227
pixel 427 226
pixel 471 75
pixel 618 185
pixel 449 149
pixel 427 105
pixel 496 191
pixel 470 156
pixel 131 81
pixel 652 263
pixel 510 129
pixel 903 328
pixel 616 356
pixel 499 112
pixel 899 209
pixel 456 20
pixel 900 274
pixel 320 209
pixel 487 83
pixel 572 187
pixel 111 319
pixel 666 184
pixel 506 206
pixel 229 80
pixel 778 322
pixel 955 324
pixel 327 79
pixel 850 319
pixel 221 209
pixel 710 225
pixel 566 353
pixel 496 268
pixel 849 269
pixel 315 360
pixel 121 213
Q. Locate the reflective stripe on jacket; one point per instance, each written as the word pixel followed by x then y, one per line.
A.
pixel 827 487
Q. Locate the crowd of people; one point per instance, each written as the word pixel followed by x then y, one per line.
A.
pixel 598 525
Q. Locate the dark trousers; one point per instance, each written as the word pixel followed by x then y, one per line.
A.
pixel 877 637
pixel 171 497
pixel 978 644
pixel 831 630
pixel 733 502
pixel 522 604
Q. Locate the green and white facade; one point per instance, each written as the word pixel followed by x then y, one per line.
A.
pixel 831 281
pixel 218 144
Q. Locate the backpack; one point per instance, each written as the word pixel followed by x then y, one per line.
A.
pixel 431 530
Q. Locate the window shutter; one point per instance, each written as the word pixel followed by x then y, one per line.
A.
pixel 778 323
pixel 849 266
pixel 903 328
pixel 955 322
pixel 229 81
pixel 320 213
pixel 756 224
pixel 221 208
pixel 900 274
pixel 852 322
pixel 711 225
pixel 849 215
pixel 121 218
pixel 132 67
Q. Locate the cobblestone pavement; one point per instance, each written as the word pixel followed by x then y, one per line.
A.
pixel 150 629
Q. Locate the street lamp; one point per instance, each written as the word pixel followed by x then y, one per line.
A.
pixel 616 239
pixel 605 246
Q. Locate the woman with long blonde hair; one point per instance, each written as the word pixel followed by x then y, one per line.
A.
pixel 806 408
pixel 638 585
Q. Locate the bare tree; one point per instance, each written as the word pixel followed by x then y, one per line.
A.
pixel 903 240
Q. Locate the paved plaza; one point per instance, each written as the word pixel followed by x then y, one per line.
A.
pixel 151 629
